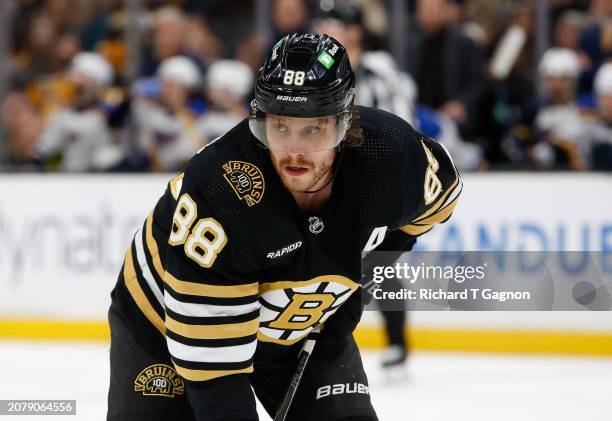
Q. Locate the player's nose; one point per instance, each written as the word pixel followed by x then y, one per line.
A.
pixel 296 146
pixel 295 156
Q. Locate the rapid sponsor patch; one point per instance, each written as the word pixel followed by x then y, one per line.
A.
pixel 159 380
pixel 285 250
pixel 246 180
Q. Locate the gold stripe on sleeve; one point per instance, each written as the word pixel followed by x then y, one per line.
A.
pixel 440 202
pixel 261 337
pixel 273 286
pixel 175 185
pixel 152 246
pixel 416 229
pixel 441 215
pixel 225 331
pixel 207 290
pixel 131 282
pixel 203 375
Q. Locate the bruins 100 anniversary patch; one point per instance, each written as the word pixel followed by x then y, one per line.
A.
pixel 246 180
pixel 159 380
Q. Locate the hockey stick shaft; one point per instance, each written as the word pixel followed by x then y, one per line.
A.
pixel 304 356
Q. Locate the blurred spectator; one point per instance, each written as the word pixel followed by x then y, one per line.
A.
pixel 599 129
pixel 35 57
pixel 103 20
pixel 444 53
pixel 76 133
pixel 166 126
pixel 600 9
pixel 200 42
pixel 251 50
pixel 567 30
pixel 559 121
pixel 171 33
pixel 513 75
pixel 446 64
pixel 552 130
pixel 466 155
pixel 229 84
pixel 54 90
pixel 567 33
pixel 596 41
pixel 22 126
pixel 229 21
pixel 288 16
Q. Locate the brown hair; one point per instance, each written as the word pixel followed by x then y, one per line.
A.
pixel 354 135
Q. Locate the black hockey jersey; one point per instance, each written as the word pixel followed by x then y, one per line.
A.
pixel 230 271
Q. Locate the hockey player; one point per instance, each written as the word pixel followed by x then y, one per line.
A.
pixel 259 242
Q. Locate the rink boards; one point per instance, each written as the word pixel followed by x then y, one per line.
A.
pixel 63 239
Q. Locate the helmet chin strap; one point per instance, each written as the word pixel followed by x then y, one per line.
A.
pixel 336 168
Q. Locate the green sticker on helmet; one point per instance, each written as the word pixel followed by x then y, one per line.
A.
pixel 280 41
pixel 325 59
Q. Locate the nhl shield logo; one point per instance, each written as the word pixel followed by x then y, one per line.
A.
pixel 315 225
pixel 159 380
pixel 246 180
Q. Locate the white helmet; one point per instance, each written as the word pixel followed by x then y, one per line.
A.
pixel 560 62
pixel 603 80
pixel 92 66
pixel 232 76
pixel 180 70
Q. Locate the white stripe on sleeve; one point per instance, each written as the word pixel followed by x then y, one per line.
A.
pixel 144 267
pixel 226 354
pixel 207 310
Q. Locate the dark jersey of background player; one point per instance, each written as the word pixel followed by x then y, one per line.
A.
pixel 228 275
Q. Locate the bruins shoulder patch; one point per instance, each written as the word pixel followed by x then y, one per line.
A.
pixel 246 180
pixel 159 380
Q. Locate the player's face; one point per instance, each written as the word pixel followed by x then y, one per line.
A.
pixel 301 151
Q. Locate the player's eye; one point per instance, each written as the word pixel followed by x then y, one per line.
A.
pixel 281 128
pixel 311 130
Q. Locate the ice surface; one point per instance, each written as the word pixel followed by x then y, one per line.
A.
pixel 436 386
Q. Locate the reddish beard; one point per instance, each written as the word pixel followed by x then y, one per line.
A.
pixel 318 172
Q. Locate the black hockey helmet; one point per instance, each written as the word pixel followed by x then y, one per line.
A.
pixel 304 76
